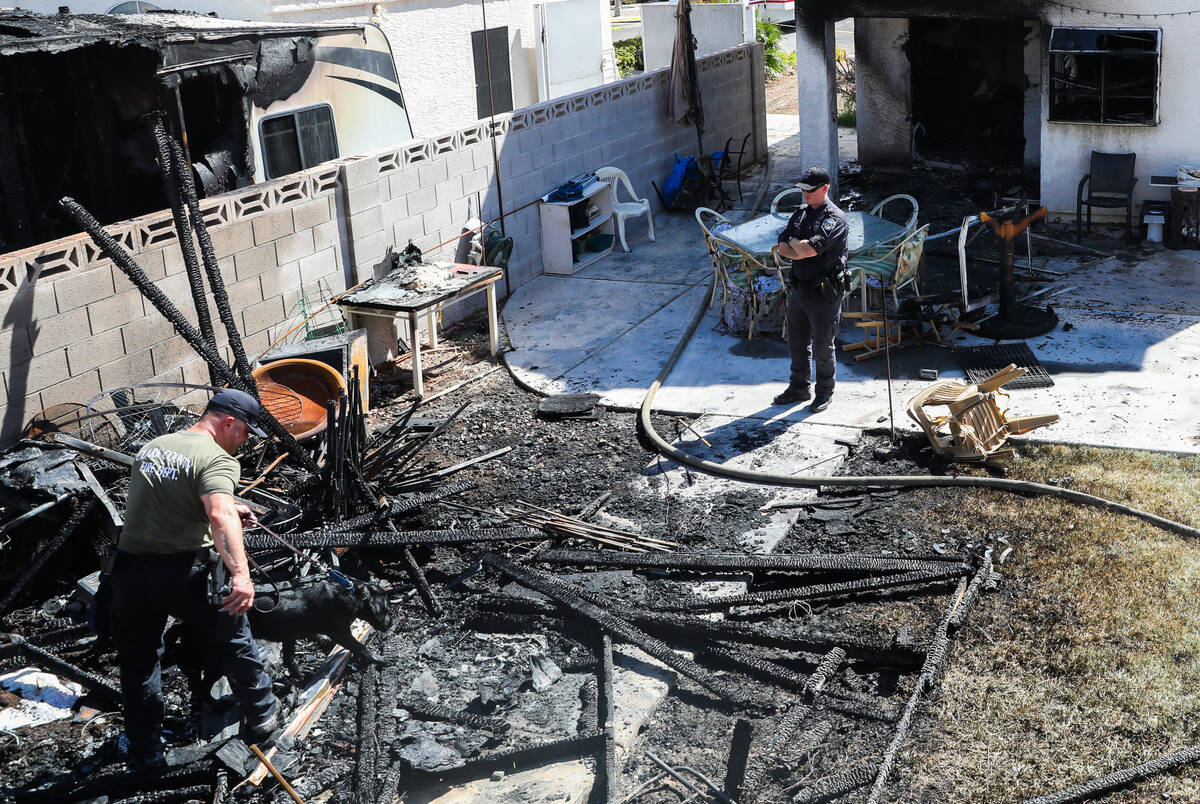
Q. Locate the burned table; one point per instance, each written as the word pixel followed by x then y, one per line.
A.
pixel 403 293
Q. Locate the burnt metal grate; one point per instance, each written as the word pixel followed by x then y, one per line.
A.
pixel 980 362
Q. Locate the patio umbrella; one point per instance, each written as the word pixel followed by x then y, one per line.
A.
pixel 683 91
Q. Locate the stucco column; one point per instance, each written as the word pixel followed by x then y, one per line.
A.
pixel 817 90
pixel 883 92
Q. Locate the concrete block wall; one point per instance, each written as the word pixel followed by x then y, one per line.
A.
pixel 72 324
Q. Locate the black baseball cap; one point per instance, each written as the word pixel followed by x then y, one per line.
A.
pixel 813 178
pixel 240 405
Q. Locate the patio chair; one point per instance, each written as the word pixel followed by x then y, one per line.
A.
pixel 753 294
pixel 976 423
pixel 908 223
pixel 891 270
pixel 789 191
pixel 727 168
pixel 614 177
pixel 1109 182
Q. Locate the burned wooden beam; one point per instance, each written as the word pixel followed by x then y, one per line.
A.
pixel 97 684
pixel 427 710
pixel 523 757
pixel 81 511
pixel 737 562
pixel 1119 779
pixel 607 721
pixel 832 788
pixel 410 503
pixel 384 538
pixel 614 625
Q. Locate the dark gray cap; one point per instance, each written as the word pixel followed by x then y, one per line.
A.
pixel 813 178
pixel 240 405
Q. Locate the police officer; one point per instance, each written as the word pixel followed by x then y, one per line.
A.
pixel 815 241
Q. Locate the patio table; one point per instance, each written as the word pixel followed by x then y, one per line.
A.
pixel 760 235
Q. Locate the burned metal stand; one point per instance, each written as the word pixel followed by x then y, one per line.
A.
pixel 1014 320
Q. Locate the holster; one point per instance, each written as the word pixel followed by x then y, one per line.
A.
pixel 218 578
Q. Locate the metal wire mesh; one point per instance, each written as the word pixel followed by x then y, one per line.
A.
pixel 125 418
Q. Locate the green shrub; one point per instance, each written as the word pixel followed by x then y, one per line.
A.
pixel 629 56
pixel 776 60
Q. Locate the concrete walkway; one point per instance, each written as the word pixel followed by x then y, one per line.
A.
pixel 1124 358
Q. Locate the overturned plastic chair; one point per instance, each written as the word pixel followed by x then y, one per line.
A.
pixel 976 423
pixel 625 209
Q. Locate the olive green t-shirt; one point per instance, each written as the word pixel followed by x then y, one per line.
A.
pixel 163 510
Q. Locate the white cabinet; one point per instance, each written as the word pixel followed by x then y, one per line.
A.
pixel 577 233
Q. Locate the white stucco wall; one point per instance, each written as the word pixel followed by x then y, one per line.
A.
pixel 716 26
pixel 1067 147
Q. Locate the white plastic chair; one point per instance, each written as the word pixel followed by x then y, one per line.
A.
pixel 625 209
pixel 789 191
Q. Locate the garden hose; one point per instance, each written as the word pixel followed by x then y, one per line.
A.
pixel 898 481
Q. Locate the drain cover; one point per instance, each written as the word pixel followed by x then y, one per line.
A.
pixel 980 362
pixel 574 406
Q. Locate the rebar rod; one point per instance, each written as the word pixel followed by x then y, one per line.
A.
pixel 606 717
pixel 120 258
pixel 615 626
pixel 834 787
pixel 428 710
pixel 80 512
pixel 183 230
pixel 384 538
pixel 781 737
pixel 1119 779
pixel 738 562
pixel 818 591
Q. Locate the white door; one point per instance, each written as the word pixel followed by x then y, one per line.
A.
pixel 570 51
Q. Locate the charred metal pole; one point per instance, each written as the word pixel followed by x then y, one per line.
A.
pixel 385 538
pixel 818 591
pixel 120 258
pixel 183 230
pixel 82 509
pixel 756 768
pixel 1118 779
pixel 606 717
pixel 613 625
pixel 738 562
pixel 216 281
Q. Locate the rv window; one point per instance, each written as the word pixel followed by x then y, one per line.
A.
pixel 297 140
pixel 492 58
pixel 1104 75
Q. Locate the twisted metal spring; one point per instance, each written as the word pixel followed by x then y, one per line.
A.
pixel 80 512
pixel 385 538
pixel 833 787
pixel 366 754
pixel 818 591
pixel 120 258
pixel 165 796
pixel 737 562
pixel 616 626
pixel 1119 779
pixel 216 282
pixel 756 770
pixel 427 710
pixel 191 264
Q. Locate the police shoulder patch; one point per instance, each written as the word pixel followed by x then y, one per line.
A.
pixel 829 225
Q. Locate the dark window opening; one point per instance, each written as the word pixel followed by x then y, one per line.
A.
pixel 495 55
pixel 1100 75
pixel 298 140
pixel 968 89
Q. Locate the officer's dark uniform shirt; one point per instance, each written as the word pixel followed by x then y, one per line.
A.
pixel 825 229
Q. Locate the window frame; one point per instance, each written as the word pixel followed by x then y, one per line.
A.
pixel 295 115
pixel 1103 88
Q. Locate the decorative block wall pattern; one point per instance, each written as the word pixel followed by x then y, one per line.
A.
pixel 72 324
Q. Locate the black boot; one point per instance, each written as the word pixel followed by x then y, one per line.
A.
pixel 793 394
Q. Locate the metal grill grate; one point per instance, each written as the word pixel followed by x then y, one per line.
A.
pixel 980 362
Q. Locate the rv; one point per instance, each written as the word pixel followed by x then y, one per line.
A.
pixel 251 101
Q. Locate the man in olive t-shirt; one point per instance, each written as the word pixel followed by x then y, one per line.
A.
pixel 180 504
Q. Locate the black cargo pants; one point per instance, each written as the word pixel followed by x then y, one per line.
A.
pixel 813 320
